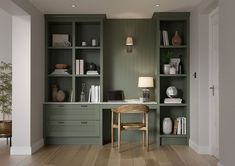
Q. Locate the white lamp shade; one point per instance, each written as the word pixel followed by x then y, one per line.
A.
pixel 129 41
pixel 145 82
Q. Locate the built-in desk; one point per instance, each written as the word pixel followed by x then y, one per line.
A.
pixel 83 122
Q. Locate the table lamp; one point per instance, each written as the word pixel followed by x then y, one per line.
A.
pixel 145 83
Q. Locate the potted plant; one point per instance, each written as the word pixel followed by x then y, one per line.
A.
pixel 5 98
pixel 166 60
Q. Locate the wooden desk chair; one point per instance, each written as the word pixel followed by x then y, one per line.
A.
pixel 130 109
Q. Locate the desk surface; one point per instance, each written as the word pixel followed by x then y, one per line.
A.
pixel 106 105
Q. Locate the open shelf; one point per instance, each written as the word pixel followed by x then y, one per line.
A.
pixel 87 48
pixel 85 75
pixel 173 75
pixel 60 75
pixel 173 105
pixel 171 46
pixel 172 136
pixel 59 48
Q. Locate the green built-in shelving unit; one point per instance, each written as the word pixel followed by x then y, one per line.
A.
pixel 172 22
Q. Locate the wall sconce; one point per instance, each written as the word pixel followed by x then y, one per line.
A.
pixel 129 44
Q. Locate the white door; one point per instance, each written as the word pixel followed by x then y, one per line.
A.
pixel 214 82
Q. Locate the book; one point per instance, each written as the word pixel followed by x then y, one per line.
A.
pixel 91 72
pixel 60 72
pixel 179 126
pixel 77 66
pixel 81 66
pixel 175 126
pixel 89 96
pixel 165 38
pixel 96 94
pixel 172 100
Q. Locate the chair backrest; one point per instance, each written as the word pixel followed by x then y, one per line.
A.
pixel 132 108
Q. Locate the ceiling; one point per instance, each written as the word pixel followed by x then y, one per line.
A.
pixel 114 8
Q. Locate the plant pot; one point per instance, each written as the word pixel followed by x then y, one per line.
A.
pixel 5 128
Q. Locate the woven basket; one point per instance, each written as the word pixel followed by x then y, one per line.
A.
pixel 5 128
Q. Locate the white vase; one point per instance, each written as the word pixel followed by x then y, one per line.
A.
pixel 167 125
pixel 166 68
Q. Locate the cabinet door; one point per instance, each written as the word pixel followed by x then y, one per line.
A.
pixel 73 128
pixel 72 112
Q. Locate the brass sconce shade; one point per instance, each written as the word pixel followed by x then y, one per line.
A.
pixel 129 44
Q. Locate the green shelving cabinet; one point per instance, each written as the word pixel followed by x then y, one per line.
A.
pixel 73 121
pixel 172 22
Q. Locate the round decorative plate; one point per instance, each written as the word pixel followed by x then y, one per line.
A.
pixel 171 92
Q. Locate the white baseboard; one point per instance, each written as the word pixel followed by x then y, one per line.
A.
pixel 37 145
pixel 26 150
pixel 199 149
pixel 21 150
pixel 219 164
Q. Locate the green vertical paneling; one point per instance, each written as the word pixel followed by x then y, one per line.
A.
pixel 122 69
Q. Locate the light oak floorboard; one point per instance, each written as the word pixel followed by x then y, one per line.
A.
pixel 132 154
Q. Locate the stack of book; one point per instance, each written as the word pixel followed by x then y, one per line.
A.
pixel 92 72
pixel 165 38
pixel 172 100
pixel 94 94
pixel 60 72
pixel 180 126
pixel 79 66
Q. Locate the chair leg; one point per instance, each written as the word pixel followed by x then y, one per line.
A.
pixel 10 141
pixel 7 140
pixel 147 132
pixel 112 132
pixel 119 132
pixel 144 133
pixel 144 141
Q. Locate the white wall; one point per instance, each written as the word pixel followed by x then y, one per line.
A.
pixel 5 39
pixel 28 75
pixel 21 85
pixel 37 72
pixel 199 94
pixel 226 81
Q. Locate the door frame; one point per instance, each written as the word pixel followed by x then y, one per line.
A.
pixel 212 118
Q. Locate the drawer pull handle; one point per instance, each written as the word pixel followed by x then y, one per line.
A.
pixel 60 105
pixel 84 122
pixel 83 106
pixel 61 122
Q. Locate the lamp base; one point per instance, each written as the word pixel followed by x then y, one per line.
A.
pixel 146 95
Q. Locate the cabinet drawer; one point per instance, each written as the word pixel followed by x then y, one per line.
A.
pixel 72 106
pixel 73 128
pixel 72 114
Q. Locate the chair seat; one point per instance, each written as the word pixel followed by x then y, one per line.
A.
pixel 132 125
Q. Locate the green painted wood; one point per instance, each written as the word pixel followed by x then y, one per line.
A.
pixel 173 22
pixel 73 128
pixel 73 140
pixel 122 69
pixel 174 141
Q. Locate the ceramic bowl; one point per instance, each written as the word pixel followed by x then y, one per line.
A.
pixel 61 66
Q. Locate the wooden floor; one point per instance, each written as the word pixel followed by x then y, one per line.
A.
pixel 95 155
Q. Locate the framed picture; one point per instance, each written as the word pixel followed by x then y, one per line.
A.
pixel 175 63
pixel 60 40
